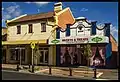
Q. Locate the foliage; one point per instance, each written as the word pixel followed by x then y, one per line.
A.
pixel 87 50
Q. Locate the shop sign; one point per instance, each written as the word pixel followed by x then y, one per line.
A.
pixel 80 40
pixel 97 39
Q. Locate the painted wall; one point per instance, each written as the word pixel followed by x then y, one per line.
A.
pixel 85 31
pixel 81 28
pixel 36 35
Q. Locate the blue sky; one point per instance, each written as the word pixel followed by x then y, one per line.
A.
pixel 102 12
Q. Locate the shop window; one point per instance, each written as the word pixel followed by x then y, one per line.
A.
pixel 14 54
pixel 19 29
pixel 43 27
pixel 30 28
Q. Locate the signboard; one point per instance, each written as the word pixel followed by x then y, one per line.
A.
pixel 80 40
pixel 99 39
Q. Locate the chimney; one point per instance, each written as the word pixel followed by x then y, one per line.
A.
pixel 93 28
pixel 57 7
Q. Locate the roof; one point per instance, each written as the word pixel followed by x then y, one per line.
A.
pixel 34 17
pixel 114 43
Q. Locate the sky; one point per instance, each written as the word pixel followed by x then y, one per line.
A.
pixel 102 12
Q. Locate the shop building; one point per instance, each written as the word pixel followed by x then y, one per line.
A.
pixel 27 29
pixel 21 32
pixel 63 47
pixel 70 43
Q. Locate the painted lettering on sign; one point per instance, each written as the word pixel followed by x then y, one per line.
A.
pixel 77 39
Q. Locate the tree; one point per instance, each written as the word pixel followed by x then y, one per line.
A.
pixel 87 53
pixel 36 53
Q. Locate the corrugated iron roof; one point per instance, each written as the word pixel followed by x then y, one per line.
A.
pixel 34 17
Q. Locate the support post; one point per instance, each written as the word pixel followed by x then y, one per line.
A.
pixel 20 56
pixel 32 62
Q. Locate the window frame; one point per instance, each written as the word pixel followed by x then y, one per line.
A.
pixel 18 29
pixel 30 28
pixel 43 28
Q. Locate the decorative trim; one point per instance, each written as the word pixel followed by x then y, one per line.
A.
pixel 99 28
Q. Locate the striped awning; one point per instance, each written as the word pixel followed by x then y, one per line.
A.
pixel 24 42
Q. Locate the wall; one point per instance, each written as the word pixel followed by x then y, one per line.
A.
pixel 36 35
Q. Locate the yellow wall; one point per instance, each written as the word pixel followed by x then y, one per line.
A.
pixel 36 35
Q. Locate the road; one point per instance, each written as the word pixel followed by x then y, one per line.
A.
pixel 12 75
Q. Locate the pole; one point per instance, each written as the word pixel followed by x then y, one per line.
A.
pixel 95 73
pixel 32 61
pixel 20 56
pixel 32 56
pixel 95 70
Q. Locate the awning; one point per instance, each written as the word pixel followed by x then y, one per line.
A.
pixel 23 42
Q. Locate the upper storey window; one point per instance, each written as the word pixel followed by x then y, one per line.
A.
pixel 30 28
pixel 19 29
pixel 43 27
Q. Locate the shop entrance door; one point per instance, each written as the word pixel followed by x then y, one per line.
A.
pixel 44 56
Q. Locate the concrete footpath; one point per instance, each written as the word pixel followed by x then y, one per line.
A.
pixel 79 72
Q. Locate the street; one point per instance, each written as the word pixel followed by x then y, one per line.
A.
pixel 12 75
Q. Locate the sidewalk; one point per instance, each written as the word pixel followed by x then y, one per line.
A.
pixel 80 72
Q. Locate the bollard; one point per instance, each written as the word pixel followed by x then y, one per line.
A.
pixel 50 70
pixel 17 67
pixel 70 71
pixel 94 73
pixel 32 68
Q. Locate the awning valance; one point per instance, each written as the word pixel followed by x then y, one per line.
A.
pixel 23 42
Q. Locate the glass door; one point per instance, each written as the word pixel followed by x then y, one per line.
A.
pixel 44 56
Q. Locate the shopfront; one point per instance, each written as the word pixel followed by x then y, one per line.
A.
pixel 70 50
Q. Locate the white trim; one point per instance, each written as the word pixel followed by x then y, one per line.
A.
pixel 8 21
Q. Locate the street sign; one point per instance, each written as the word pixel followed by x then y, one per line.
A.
pixel 32 45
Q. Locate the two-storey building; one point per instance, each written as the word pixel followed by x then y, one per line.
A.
pixel 71 42
pixel 62 45
pixel 37 29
